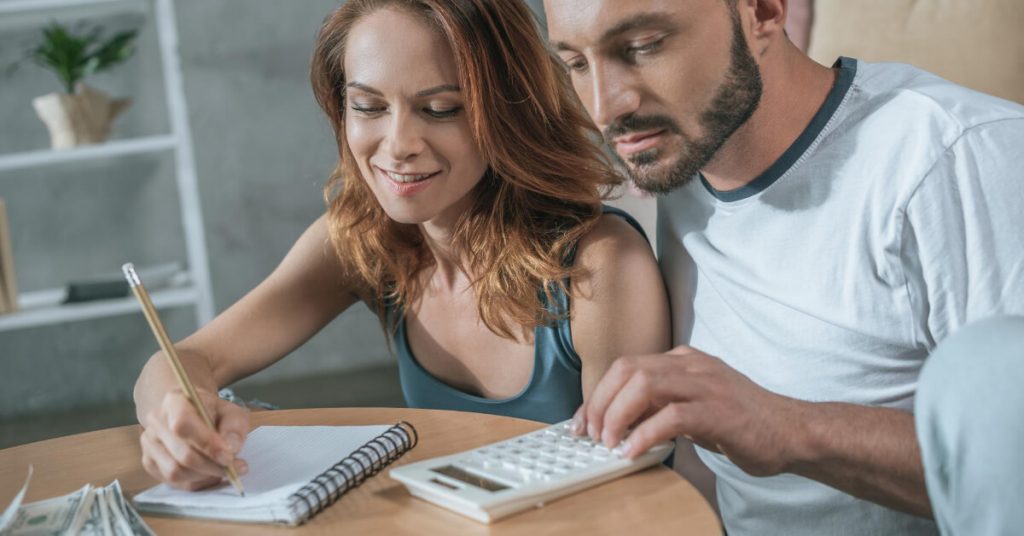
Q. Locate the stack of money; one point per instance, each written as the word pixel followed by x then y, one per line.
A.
pixel 89 511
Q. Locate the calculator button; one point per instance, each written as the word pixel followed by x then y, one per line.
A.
pixel 545 464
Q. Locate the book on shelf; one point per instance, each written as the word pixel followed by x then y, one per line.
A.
pixel 8 286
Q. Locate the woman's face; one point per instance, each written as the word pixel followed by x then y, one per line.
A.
pixel 405 120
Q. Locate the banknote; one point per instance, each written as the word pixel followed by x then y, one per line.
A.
pixel 93 523
pixel 51 517
pixel 88 512
pixel 130 519
pixel 12 509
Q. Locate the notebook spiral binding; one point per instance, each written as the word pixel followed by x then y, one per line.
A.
pixel 353 470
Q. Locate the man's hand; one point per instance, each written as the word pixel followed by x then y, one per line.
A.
pixel 690 393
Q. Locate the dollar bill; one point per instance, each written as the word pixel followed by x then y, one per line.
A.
pixel 129 518
pixel 92 525
pixel 87 512
pixel 51 517
pixel 12 509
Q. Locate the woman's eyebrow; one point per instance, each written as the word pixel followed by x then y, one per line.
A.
pixel 364 87
pixel 438 89
pixel 422 93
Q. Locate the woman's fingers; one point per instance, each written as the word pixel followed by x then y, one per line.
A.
pixel 183 453
pixel 179 448
pixel 232 424
pixel 159 463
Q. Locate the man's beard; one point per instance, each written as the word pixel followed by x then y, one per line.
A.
pixel 735 101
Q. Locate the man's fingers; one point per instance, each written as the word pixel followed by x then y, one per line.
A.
pixel 579 420
pixel 617 376
pixel 672 420
pixel 232 424
pixel 628 406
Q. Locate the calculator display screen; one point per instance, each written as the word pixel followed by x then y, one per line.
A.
pixel 466 477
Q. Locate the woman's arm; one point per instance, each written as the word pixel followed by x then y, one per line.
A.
pixel 302 295
pixel 620 307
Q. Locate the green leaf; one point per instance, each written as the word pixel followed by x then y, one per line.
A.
pixel 74 55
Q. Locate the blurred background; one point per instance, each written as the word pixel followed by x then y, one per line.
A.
pixel 217 165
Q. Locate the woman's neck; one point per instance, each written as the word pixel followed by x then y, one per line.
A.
pixel 447 273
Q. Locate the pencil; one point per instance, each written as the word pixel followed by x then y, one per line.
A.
pixel 172 358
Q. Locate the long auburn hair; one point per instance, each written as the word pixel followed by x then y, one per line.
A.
pixel 541 193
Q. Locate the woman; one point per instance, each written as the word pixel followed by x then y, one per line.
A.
pixel 465 209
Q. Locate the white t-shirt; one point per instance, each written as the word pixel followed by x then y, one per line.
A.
pixel 896 218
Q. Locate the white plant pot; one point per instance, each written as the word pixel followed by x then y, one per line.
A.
pixel 80 118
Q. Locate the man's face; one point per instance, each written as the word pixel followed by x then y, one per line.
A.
pixel 666 81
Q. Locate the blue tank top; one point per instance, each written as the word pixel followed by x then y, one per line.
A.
pixel 551 395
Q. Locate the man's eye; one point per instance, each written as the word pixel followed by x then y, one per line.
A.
pixel 442 113
pixel 577 65
pixel 643 49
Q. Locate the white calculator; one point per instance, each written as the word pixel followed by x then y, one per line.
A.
pixel 494 481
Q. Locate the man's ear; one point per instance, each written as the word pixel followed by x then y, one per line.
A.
pixel 764 21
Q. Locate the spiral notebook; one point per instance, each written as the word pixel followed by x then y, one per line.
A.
pixel 294 473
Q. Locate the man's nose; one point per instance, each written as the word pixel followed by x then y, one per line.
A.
pixel 614 94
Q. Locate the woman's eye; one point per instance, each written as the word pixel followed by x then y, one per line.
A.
pixel 368 110
pixel 442 113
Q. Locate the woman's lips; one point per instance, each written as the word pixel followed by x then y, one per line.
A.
pixel 407 188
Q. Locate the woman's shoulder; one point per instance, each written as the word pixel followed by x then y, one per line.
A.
pixel 619 306
pixel 616 238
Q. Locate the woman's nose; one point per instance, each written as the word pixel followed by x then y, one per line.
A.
pixel 404 138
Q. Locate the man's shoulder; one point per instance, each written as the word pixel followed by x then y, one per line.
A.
pixel 918 95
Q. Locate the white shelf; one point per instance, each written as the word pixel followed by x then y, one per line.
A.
pixel 27 6
pixel 44 307
pixel 87 152
pixel 55 314
pixel 22 13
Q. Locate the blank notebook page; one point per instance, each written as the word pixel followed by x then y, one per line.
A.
pixel 281 460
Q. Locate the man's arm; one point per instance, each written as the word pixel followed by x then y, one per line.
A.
pixel 867 452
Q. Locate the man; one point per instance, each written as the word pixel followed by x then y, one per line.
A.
pixel 820 231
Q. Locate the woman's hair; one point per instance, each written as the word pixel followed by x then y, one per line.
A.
pixel 543 187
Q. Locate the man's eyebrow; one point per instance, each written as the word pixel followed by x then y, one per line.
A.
pixel 642 20
pixel 636 22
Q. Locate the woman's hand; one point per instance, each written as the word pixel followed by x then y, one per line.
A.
pixel 178 448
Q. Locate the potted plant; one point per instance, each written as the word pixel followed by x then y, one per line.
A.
pixel 80 114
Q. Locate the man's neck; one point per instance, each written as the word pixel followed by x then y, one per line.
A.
pixel 795 88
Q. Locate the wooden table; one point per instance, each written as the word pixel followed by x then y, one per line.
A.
pixel 654 501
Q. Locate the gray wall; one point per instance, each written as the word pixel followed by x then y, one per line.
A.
pixel 262 154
